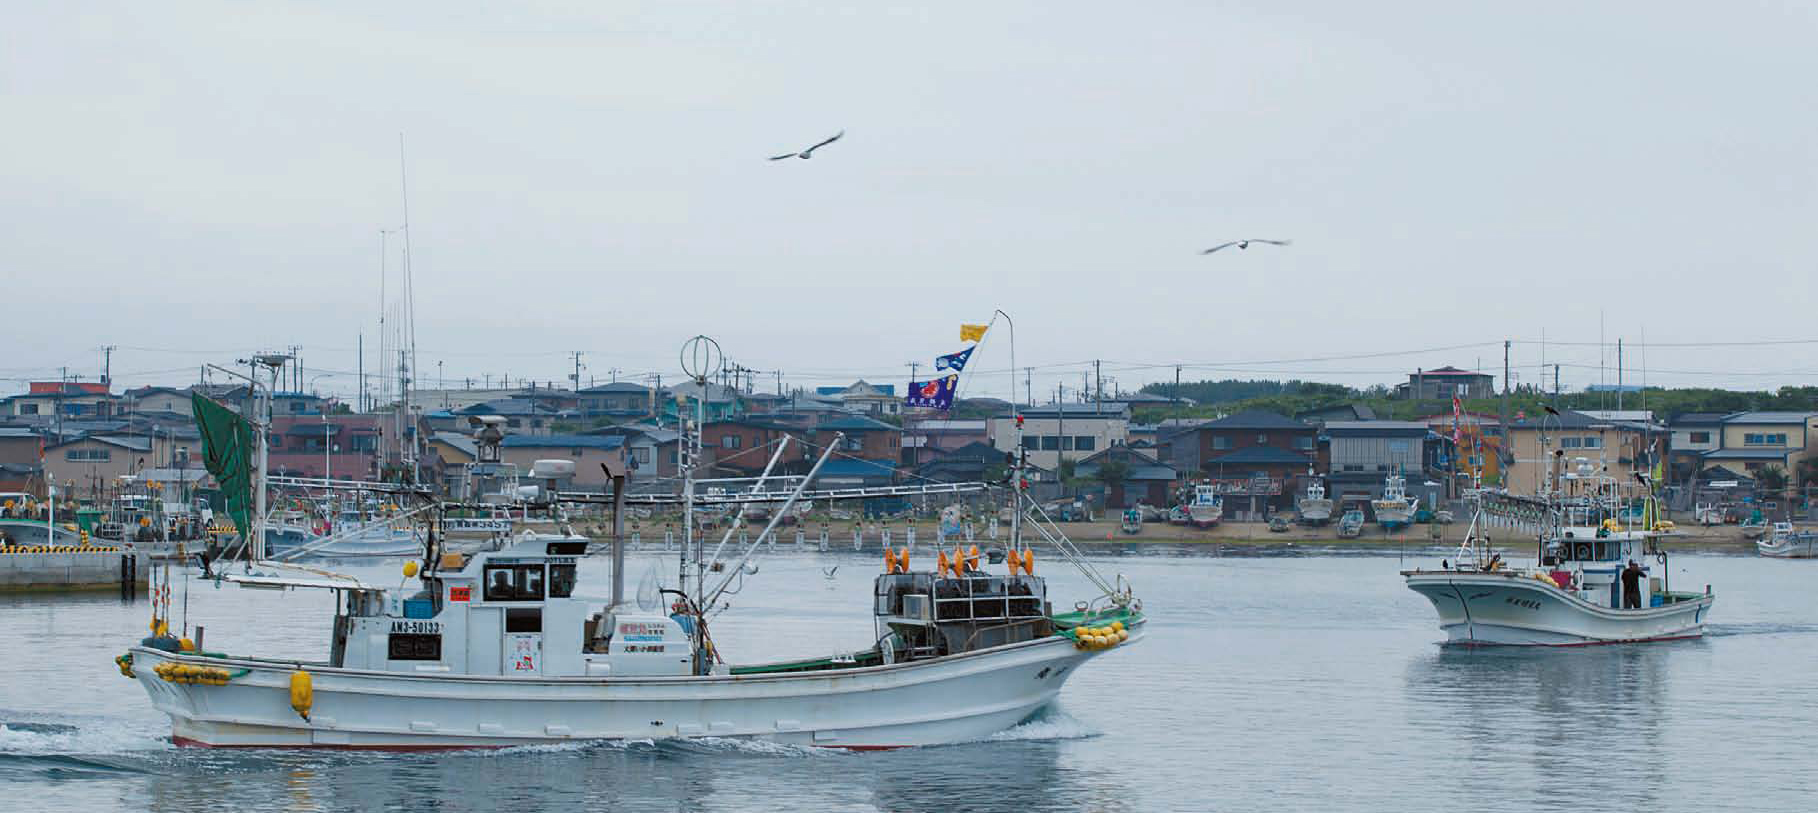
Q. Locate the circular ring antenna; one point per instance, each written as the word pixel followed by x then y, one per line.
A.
pixel 701 358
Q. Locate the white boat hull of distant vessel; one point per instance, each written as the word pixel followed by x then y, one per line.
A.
pixel 954 699
pixel 1315 506
pixel 1786 543
pixel 379 540
pixel 1753 530
pixel 1515 608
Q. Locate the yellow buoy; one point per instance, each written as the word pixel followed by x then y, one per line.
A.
pixel 410 569
pixel 1123 635
pixel 302 694
pixel 186 645
pixel 1117 626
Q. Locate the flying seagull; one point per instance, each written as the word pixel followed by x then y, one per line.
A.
pixel 809 153
pixel 1243 244
pixel 829 571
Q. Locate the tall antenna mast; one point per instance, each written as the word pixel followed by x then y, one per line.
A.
pixel 408 347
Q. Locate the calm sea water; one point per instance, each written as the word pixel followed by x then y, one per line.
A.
pixel 1284 682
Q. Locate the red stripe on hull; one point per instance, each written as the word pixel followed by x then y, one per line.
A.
pixel 186 742
pixel 1583 643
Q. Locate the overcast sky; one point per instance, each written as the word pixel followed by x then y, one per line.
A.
pixel 194 181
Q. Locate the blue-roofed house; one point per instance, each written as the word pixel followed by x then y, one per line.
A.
pixel 522 416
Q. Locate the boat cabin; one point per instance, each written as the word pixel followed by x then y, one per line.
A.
pixel 513 612
pixel 926 615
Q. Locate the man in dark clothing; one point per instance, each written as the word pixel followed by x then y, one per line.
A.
pixel 1631 586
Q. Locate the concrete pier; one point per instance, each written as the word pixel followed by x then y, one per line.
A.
pixel 71 569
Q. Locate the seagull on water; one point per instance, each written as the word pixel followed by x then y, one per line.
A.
pixel 1243 244
pixel 809 153
pixel 829 571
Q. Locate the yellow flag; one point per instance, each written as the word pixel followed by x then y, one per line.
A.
pixel 972 333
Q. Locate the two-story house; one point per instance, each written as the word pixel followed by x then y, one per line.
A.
pixel 1256 458
pixel 621 399
pixel 588 453
pixel 1616 448
pixel 1693 435
pixel 1757 440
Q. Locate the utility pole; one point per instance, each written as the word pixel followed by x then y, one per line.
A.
pixel 1099 397
pixel 1176 403
pixel 1556 385
pixel 360 365
pixel 107 365
pixel 1503 462
pixel 577 370
pixel 1028 385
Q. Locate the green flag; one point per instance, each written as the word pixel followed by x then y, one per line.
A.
pixel 227 452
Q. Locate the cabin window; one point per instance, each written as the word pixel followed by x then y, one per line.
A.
pixel 561 581
pixel 409 646
pixel 514 583
pixel 526 620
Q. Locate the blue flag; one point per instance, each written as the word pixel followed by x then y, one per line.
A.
pixel 954 361
pixel 937 394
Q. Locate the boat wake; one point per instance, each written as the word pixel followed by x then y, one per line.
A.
pixel 1048 724
pixel 1762 628
pixel 31 748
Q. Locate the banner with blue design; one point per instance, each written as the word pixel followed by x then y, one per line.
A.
pixel 954 361
pixel 936 394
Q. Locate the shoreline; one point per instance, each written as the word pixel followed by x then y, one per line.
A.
pixel 1105 534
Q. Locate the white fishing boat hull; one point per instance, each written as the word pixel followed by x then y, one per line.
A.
pixel 1394 515
pixel 1513 609
pixel 1316 512
pixel 377 541
pixel 1801 546
pixel 1205 516
pixel 951 699
pixel 1753 531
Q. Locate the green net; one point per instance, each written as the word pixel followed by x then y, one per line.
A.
pixel 227 451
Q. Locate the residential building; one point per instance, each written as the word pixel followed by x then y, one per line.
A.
pixel 351 447
pixel 1230 446
pixel 297 403
pixel 1130 476
pixel 94 465
pixel 621 399
pixel 588 453
pixel 718 401
pixel 1693 435
pixel 1445 382
pixel 1058 432
pixel 1616 448
pixel 70 399
pixel 867 398
pixel 1342 412
pixel 156 400
pixel 1758 440
pixel 971 463
pixel 929 438
pixel 523 416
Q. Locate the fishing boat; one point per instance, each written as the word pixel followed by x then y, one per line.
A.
pixel 1755 527
pixel 1572 595
pixel 1395 509
pixel 1350 526
pixel 1784 542
pixel 1206 507
pixel 1132 523
pixel 508 646
pixel 1707 514
pixel 26 521
pixel 1315 506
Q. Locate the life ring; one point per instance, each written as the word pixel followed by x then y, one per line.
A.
pixel 1582 552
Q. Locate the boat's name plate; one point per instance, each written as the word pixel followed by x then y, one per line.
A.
pixel 424 627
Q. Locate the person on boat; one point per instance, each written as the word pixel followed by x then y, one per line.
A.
pixel 1631 586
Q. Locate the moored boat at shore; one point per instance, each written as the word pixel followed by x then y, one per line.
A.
pixel 1315 507
pixel 1785 542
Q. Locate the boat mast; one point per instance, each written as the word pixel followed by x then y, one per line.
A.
pixel 701 359
pixel 1022 452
